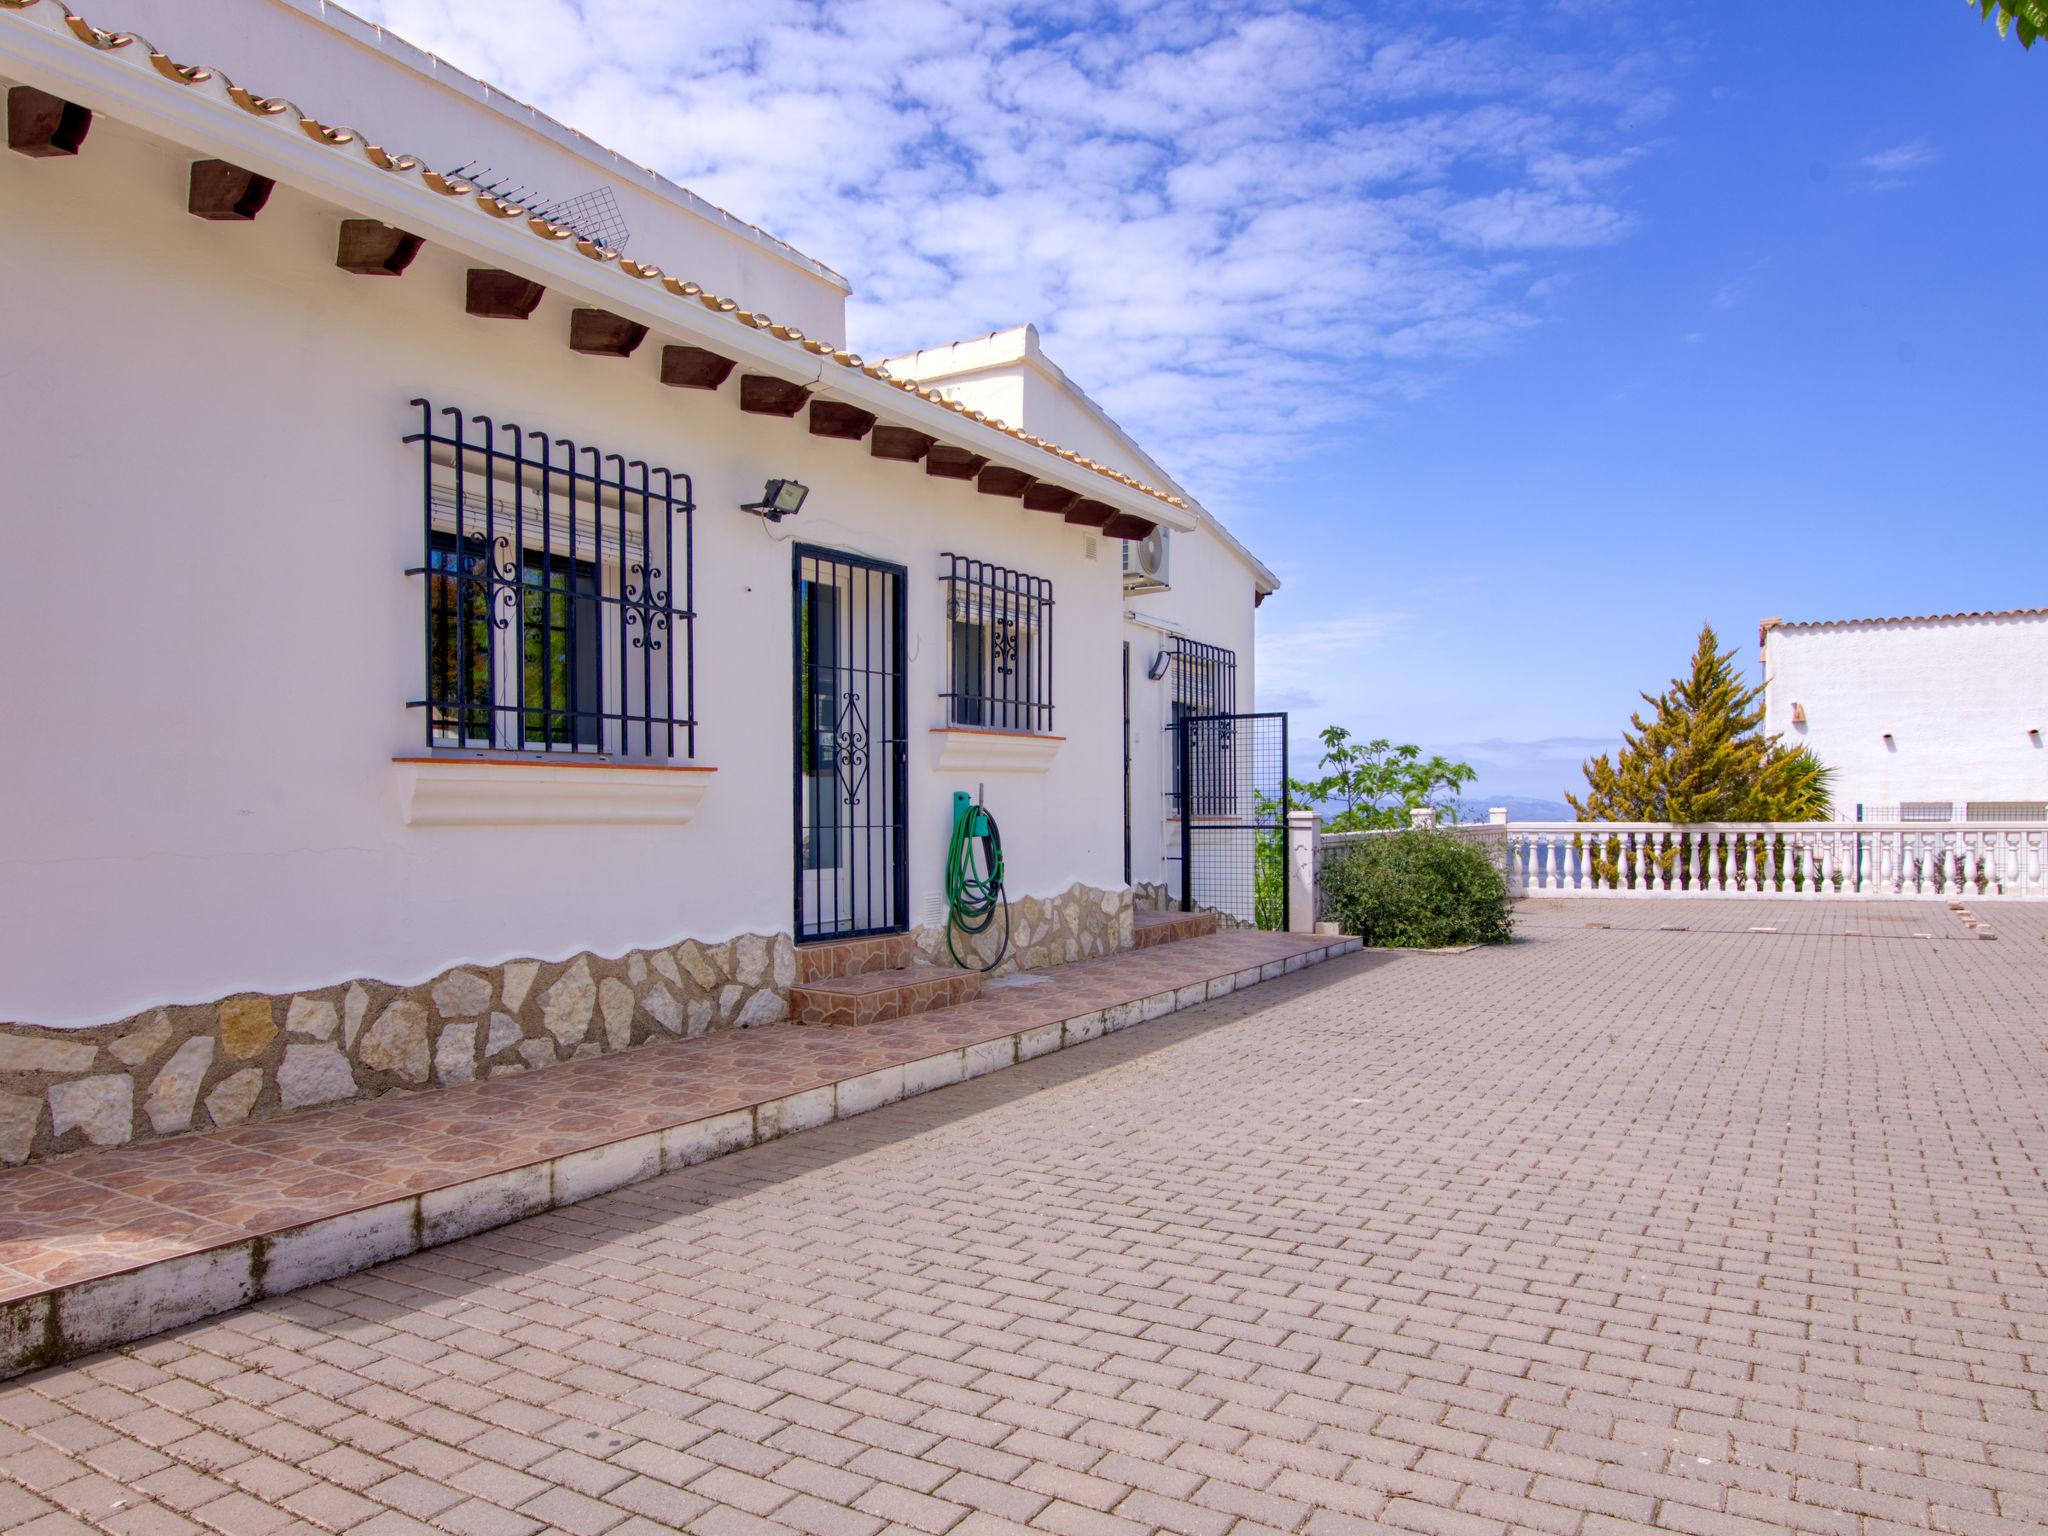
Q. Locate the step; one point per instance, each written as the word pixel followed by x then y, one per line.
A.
pixel 102 1248
pixel 824 959
pixel 872 996
pixel 1150 928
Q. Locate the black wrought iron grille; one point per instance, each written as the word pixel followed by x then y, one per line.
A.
pixel 851 787
pixel 999 631
pixel 1236 862
pixel 559 603
pixel 1205 685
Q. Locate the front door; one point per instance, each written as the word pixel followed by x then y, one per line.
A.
pixel 852 746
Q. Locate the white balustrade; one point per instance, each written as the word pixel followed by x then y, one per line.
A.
pixel 1811 859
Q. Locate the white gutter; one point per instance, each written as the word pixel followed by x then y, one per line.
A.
pixel 37 48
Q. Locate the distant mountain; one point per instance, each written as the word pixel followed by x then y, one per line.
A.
pixel 1520 808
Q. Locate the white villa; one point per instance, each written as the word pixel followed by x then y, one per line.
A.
pixel 1936 718
pixel 458 627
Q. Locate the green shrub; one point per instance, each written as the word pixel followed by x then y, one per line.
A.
pixel 1417 890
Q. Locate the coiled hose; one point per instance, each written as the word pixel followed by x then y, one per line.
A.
pixel 974 880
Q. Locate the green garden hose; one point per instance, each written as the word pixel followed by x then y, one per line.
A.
pixel 974 885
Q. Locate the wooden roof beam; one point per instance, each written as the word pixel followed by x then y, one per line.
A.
pixel 694 368
pixel 1124 525
pixel 372 248
pixel 840 420
pixel 600 333
pixel 765 395
pixel 41 126
pixel 496 295
pixel 226 192
pixel 905 444
pixel 1044 496
pixel 950 463
pixel 1090 514
pixel 1001 480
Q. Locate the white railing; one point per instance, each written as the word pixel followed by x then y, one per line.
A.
pixel 1808 859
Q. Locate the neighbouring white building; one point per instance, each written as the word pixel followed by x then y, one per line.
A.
pixel 409 674
pixel 1934 718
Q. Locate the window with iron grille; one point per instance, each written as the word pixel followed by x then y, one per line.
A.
pixel 999 646
pixel 2005 810
pixel 1927 810
pixel 1204 700
pixel 559 581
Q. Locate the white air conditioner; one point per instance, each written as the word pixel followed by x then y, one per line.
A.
pixel 1145 562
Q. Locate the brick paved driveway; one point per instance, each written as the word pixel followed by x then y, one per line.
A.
pixel 1703 1231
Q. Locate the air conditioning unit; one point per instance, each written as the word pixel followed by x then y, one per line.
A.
pixel 1145 562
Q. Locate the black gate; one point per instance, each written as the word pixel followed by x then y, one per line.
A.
pixel 1228 802
pixel 852 870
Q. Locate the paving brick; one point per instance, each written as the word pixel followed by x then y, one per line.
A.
pixel 1614 1231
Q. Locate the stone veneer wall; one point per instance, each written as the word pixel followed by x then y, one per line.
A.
pixel 1080 923
pixel 169 1070
pixel 1159 897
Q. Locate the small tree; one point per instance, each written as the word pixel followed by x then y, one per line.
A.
pixel 2027 19
pixel 1378 784
pixel 1703 756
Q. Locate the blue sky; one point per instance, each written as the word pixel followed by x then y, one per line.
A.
pixel 1518 338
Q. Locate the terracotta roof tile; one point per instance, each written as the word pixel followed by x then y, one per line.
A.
pixel 334 137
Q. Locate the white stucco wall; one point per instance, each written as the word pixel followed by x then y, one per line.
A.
pixel 346 72
pixel 1213 584
pixel 1210 601
pixel 209 639
pixel 1959 698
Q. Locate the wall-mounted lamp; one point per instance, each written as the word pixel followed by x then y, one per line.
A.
pixel 1159 666
pixel 1888 739
pixel 779 499
pixel 2034 735
pixel 1799 714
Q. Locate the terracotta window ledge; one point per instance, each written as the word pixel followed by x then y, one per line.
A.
pixel 968 749
pixel 561 791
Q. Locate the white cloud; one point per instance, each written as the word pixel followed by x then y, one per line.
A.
pixel 1319 662
pixel 1891 167
pixel 1236 226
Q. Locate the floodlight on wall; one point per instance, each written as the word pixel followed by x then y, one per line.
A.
pixel 779 499
pixel 1160 664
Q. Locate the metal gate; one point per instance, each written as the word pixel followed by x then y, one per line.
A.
pixel 1228 801
pixel 852 870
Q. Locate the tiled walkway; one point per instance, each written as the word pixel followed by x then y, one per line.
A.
pixel 1614 1231
pixel 97 1214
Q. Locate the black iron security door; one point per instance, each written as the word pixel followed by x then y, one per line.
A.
pixel 852 742
pixel 1227 806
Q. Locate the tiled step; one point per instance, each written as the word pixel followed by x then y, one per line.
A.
pixel 100 1248
pixel 832 958
pixel 871 996
pixel 1150 928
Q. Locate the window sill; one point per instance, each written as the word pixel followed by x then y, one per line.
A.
pixel 970 749
pixel 511 792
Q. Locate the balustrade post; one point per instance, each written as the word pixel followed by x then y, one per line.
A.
pixel 1304 906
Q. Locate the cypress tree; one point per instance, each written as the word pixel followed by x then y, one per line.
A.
pixel 1703 756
